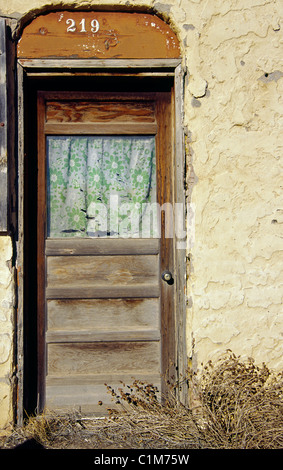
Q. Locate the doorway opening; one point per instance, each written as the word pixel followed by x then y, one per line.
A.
pixel 96 308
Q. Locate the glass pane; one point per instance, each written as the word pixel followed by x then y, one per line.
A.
pixel 101 186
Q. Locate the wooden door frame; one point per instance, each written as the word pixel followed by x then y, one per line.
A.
pixel 156 68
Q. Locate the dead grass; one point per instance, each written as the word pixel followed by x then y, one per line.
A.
pixel 241 404
pixel 240 407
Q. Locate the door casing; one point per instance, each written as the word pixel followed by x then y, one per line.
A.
pixel 178 360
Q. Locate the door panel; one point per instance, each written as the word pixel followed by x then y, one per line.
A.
pixel 101 271
pixel 108 110
pixel 107 246
pixel 78 372
pixel 92 276
pixel 104 315
pixel 103 358
pixel 90 391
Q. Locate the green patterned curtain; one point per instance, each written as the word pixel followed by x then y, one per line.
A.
pixel 99 186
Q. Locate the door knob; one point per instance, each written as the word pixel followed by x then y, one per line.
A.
pixel 167 277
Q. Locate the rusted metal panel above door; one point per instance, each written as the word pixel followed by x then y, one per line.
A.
pixel 98 35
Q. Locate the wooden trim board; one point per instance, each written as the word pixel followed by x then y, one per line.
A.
pixel 125 64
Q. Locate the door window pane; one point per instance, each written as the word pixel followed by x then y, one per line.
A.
pixel 100 186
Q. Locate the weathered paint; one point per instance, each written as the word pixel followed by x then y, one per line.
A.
pixel 98 35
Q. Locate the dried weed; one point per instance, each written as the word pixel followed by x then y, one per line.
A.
pixel 241 404
pixel 240 407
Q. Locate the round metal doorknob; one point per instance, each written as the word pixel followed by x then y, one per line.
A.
pixel 166 276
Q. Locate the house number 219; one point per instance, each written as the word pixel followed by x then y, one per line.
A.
pixel 94 26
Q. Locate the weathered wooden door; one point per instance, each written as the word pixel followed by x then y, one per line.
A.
pixel 105 315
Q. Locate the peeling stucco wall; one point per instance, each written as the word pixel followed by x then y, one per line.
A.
pixel 232 52
pixel 236 82
pixel 6 330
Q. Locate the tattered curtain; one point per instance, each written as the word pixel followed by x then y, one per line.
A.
pixel 85 174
